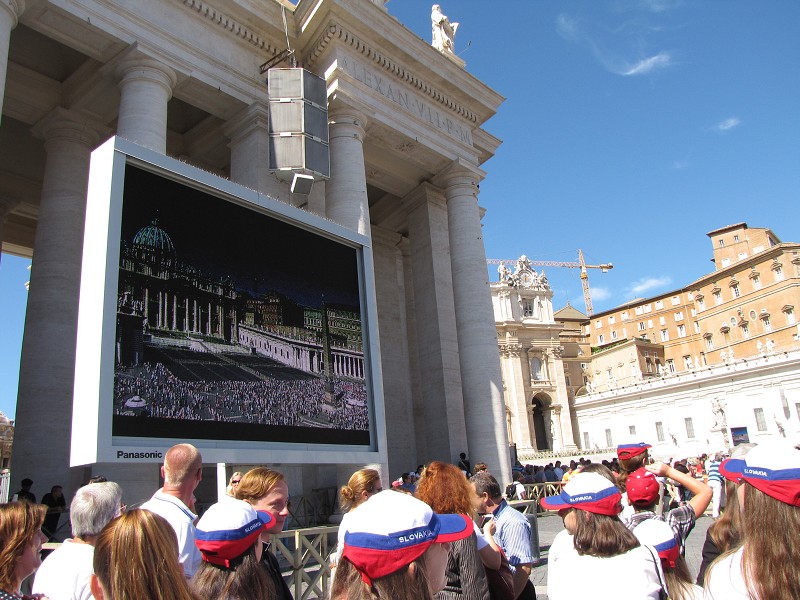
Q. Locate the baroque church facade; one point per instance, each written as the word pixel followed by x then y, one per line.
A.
pixel 183 78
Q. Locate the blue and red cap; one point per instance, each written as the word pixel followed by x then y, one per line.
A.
pixel 587 491
pixel 660 536
pixel 772 467
pixel 626 451
pixel 392 530
pixel 228 529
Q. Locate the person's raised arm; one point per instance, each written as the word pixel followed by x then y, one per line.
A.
pixel 702 493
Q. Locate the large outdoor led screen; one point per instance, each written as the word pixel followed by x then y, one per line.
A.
pixel 213 314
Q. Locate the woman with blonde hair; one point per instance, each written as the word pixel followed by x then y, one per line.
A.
pixel 233 483
pixel 362 484
pixel 396 547
pixel 446 490
pixel 21 541
pixel 136 557
pixel 764 566
pixel 266 490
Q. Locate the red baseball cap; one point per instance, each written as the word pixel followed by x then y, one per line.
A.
pixel 642 487
pixel 626 451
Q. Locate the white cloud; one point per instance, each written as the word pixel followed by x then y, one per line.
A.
pixel 567 27
pixel 727 124
pixel 600 293
pixel 661 60
pixel 647 284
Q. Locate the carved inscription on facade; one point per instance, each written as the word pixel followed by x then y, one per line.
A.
pixel 406 100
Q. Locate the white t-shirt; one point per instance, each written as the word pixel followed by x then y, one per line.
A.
pixel 725 580
pixel 182 521
pixel 630 576
pixel 65 573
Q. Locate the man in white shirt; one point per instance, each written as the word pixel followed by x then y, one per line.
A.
pixel 65 574
pixel 182 472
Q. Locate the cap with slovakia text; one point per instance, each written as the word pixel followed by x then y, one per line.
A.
pixel 587 491
pixel 772 467
pixel 626 451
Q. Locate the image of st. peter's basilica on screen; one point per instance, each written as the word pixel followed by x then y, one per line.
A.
pixel 232 324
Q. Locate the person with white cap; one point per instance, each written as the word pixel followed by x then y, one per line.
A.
pixel 396 547
pixel 601 545
pixel 765 566
pixel 228 538
pixel 658 536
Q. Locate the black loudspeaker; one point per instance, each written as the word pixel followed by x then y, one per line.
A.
pixel 298 122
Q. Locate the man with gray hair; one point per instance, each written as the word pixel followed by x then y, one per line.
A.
pixel 65 574
pixel 182 472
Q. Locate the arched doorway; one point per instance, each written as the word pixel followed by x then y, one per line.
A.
pixel 539 424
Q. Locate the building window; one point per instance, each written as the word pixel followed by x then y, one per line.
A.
pixel 648 308
pixel 601 339
pixel 664 335
pixel 676 300
pixel 742 255
pixel 613 335
pixel 736 238
pixel 697 327
pixel 536 369
pixel 735 290
pixel 632 429
pixel 659 431
pixel 709 342
pixel 649 365
pixel 789 312
pixel 527 308
pixel 598 324
pixel 688 365
pixel 662 321
pixel 586 440
pixel 659 304
pixel 609 441
pixel 639 310
pixel 756 281
pixel 726 262
pixel 778 269
pixel 753 315
pixel 650 323
pixel 761 422
pixel 717 297
pixel 703 361
pixel 797 410
pixel 767 324
pixel 721 242
pixel 681 331
pixel 745 330
pixel 624 315
pixel 642 326
pixel 670 365
pixel 612 320
pixel 689 427
pixel 679 316
pixel 701 302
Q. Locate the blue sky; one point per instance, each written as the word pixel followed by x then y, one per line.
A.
pixel 630 129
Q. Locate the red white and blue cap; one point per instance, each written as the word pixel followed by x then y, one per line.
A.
pixel 587 491
pixel 772 467
pixel 228 529
pixel 392 530
pixel 660 536
pixel 642 487
pixel 626 451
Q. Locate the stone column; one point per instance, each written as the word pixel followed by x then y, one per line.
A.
pixel 563 417
pixel 42 435
pixel 477 336
pixel 10 10
pixel 516 395
pixel 146 87
pixel 442 402
pixel 346 192
pixel 249 135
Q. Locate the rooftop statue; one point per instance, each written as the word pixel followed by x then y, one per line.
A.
pixel 444 32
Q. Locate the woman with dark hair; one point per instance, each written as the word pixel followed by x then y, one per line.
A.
pixel 445 489
pixel 378 562
pixel 597 544
pixel 228 538
pixel 21 541
pixel 136 557
pixel 764 566
pixel 631 457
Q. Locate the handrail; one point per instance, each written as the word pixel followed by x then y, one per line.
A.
pixel 307 552
pixel 537 491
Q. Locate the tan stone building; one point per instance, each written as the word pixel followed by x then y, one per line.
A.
pixel 541 360
pixel 706 366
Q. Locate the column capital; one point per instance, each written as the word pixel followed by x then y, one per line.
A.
pixel 346 121
pixel 423 194
pixel 63 124
pixel 15 8
pixel 459 173
pixel 246 121
pixel 139 67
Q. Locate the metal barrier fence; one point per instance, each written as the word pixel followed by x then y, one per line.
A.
pixel 537 491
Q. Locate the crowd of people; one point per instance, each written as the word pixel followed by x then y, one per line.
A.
pixel 449 533
pixel 300 401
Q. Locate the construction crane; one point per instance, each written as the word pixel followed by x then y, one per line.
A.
pixel 581 264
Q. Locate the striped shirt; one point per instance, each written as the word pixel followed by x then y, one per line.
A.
pixel 713 471
pixel 513 535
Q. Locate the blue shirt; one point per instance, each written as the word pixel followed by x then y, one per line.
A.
pixel 513 535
